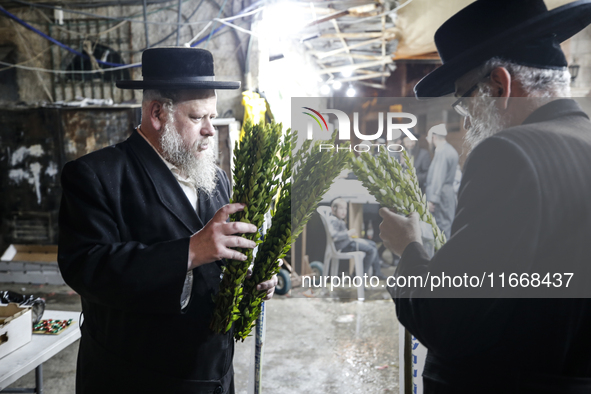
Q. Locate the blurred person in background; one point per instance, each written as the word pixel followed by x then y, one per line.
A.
pixel 420 158
pixel 441 197
pixel 346 240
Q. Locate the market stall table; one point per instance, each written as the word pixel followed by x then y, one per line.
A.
pixel 35 353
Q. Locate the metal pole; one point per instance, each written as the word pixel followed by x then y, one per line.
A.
pixel 39 379
pixel 145 24
pixel 408 383
pixel 258 355
pixel 256 370
pixel 178 24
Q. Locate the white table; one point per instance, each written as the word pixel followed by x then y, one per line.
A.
pixel 41 348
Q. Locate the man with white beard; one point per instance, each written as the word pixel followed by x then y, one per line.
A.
pixel 143 235
pixel 523 210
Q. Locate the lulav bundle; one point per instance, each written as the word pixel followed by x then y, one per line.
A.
pixel 257 166
pixel 395 187
pixel 276 244
pixel 312 173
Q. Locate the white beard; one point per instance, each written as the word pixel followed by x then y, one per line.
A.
pixel 201 170
pixel 487 121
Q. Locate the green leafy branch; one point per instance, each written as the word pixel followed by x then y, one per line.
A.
pixel 395 187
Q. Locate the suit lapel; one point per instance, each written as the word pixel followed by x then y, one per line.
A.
pixel 205 207
pixel 167 188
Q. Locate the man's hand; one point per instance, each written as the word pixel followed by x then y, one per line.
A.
pixel 213 242
pixel 268 285
pixel 398 231
pixel 431 206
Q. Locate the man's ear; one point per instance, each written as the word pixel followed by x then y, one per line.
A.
pixel 157 115
pixel 500 81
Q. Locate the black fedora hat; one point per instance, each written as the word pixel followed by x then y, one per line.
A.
pixel 521 31
pixel 177 68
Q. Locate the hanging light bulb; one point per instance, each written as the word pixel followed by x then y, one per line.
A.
pixel 337 85
pixel 325 89
pixel 351 92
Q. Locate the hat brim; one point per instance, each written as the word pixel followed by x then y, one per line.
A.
pixel 176 85
pixel 564 22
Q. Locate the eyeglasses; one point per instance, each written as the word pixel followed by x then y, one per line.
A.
pixel 459 106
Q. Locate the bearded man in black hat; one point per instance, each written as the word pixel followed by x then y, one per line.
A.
pixel 143 235
pixel 523 208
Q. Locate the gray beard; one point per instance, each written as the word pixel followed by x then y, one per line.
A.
pixel 201 170
pixel 487 122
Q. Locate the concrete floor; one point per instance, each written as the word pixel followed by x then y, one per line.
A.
pixel 312 345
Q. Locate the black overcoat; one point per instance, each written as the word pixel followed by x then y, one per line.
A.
pixel 125 226
pixel 524 207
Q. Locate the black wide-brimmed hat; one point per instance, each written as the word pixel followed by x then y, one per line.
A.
pixel 177 68
pixel 520 31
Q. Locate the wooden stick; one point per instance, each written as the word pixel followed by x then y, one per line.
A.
pixel 353 55
pixel 356 66
pixel 366 76
pixel 373 85
pixel 355 35
pixel 347 48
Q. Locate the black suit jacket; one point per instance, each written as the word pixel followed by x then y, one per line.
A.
pixel 125 226
pixel 525 207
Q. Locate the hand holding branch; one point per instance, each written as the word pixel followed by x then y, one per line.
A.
pixel 398 231
pixel 213 242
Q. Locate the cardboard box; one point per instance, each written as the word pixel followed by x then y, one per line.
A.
pixel 16 327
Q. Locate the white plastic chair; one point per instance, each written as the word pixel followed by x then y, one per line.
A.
pixel 332 255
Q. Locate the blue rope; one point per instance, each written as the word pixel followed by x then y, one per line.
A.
pixel 213 31
pixel 247 9
pixel 85 56
pixel 53 40
pixel 207 38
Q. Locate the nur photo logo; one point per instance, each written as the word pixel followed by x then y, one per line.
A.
pixel 393 129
